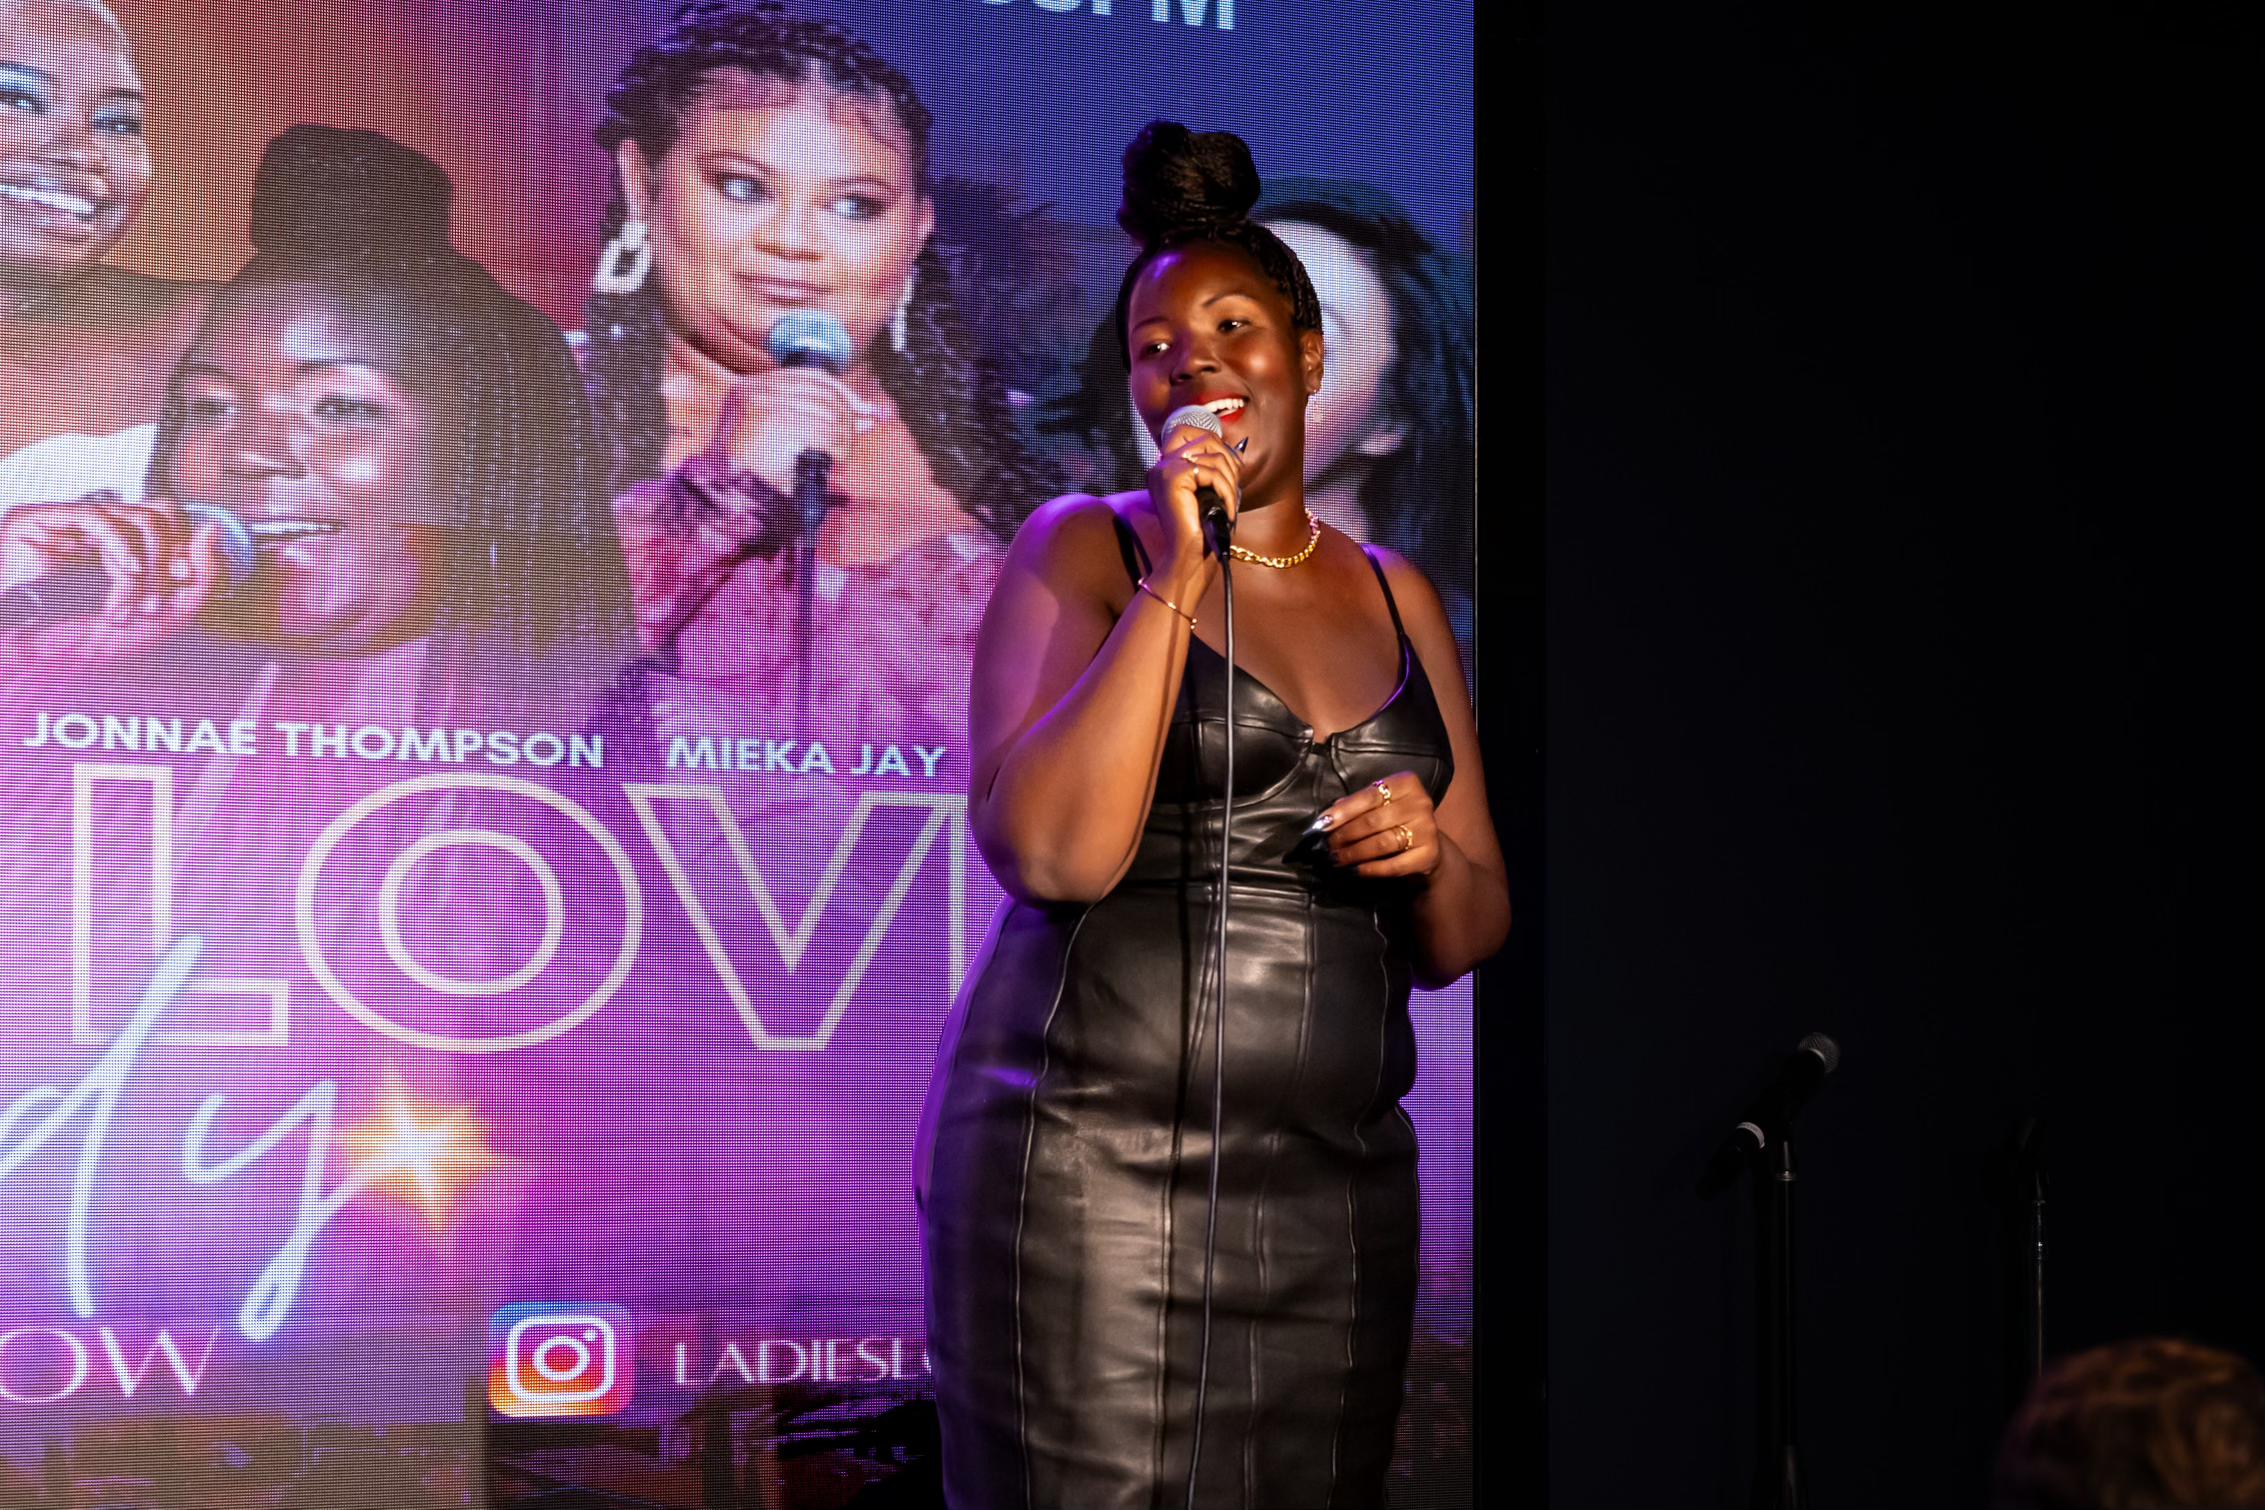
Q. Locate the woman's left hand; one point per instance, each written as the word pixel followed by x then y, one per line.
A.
pixel 1387 828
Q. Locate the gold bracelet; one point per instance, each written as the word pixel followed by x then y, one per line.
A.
pixel 1142 584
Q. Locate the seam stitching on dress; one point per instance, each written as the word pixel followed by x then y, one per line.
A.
pixel 1188 1056
pixel 1273 1148
pixel 1352 1207
pixel 1022 1195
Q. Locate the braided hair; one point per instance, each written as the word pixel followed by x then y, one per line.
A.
pixel 531 565
pixel 1188 188
pixel 950 395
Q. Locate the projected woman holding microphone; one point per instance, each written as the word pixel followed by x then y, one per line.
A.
pixel 449 565
pixel 409 446
pixel 426 536
pixel 1104 1333
pixel 771 288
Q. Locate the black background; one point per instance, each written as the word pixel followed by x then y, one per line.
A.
pixel 1901 664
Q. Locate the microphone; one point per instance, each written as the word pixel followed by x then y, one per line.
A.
pixel 78 589
pixel 1774 1110
pixel 808 338
pixel 811 338
pixel 1218 524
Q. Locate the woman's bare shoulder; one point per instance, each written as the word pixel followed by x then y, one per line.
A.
pixel 1411 589
pixel 1423 612
pixel 1075 530
pixel 1070 548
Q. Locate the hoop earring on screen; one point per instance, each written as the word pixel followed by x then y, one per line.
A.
pixel 626 260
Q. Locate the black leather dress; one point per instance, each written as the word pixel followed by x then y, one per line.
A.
pixel 1066 1147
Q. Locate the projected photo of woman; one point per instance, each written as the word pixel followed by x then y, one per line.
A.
pixel 1392 439
pixel 85 346
pixel 424 433
pixel 772 168
pixel 365 384
pixel 362 379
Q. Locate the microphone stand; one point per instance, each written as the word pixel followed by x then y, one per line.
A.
pixel 1763 1141
pixel 1219 529
pixel 2034 1265
pixel 810 471
pixel 1777 1474
pixel 2022 1198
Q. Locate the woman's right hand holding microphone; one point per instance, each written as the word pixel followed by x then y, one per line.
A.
pixel 1191 460
pixel 768 420
pixel 163 571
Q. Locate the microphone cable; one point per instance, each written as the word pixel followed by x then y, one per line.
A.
pixel 1219 1005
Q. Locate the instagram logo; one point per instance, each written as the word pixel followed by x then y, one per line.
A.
pixel 547 1361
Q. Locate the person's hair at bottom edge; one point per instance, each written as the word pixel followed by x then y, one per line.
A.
pixel 2151 1424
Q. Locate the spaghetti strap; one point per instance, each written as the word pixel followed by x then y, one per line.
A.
pixel 1129 547
pixel 1390 602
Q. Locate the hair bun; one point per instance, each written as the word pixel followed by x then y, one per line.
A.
pixel 1177 179
pixel 327 190
pixel 693 12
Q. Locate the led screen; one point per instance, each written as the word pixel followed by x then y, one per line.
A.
pixel 479 889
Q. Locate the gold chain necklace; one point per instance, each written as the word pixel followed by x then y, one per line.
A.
pixel 1313 538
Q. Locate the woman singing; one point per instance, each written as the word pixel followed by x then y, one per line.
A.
pixel 1088 1324
pixel 767 166
pixel 85 348
pixel 1391 440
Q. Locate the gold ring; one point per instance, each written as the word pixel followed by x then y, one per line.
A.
pixel 1384 792
pixel 1407 838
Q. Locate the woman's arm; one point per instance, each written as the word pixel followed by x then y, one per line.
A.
pixel 1461 901
pixel 1072 695
pixel 1070 705
pixel 680 534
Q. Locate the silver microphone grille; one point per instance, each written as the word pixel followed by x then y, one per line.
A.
pixel 1824 1048
pixel 1194 417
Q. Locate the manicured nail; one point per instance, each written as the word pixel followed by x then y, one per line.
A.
pixel 1323 823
